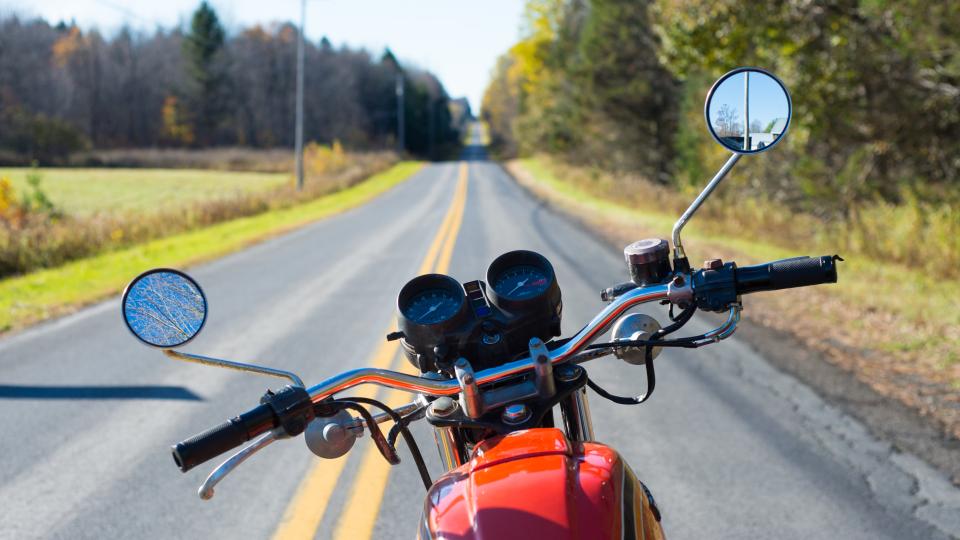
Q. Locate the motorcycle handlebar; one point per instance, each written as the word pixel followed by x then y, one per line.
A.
pixel 211 443
pixel 787 274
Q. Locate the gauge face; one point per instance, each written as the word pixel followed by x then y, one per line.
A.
pixel 521 282
pixel 432 306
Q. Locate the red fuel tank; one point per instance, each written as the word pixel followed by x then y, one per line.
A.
pixel 536 484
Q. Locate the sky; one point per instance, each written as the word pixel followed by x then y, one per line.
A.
pixel 458 40
pixel 767 100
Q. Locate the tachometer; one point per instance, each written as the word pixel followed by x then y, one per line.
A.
pixel 523 281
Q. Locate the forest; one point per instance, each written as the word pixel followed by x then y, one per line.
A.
pixel 64 89
pixel 873 154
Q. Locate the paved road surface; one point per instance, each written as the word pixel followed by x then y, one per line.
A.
pixel 730 447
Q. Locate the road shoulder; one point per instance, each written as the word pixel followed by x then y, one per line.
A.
pixel 904 427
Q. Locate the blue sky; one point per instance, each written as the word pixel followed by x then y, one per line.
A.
pixel 767 101
pixel 458 40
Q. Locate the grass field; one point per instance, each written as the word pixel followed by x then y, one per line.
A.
pixel 88 191
pixel 46 293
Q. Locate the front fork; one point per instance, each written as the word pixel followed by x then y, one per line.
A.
pixel 577 423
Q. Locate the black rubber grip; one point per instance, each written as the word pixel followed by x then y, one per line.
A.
pixel 223 438
pixel 787 274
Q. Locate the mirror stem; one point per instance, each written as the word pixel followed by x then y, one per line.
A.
pixel 678 253
pixel 206 360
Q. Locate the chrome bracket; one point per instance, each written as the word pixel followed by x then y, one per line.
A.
pixel 239 366
pixel 542 369
pixel 470 398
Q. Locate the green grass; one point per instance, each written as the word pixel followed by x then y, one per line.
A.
pixel 46 293
pixel 87 191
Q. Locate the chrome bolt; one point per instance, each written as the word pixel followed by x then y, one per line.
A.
pixel 567 373
pixel 515 414
pixel 443 407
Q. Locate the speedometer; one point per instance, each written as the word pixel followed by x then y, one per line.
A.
pixel 432 306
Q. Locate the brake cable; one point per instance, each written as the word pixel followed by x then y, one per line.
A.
pixel 388 452
pixel 655 340
pixel 390 443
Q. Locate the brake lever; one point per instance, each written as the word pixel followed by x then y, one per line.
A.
pixel 206 489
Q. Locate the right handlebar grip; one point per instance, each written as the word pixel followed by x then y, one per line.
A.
pixel 787 273
pixel 222 438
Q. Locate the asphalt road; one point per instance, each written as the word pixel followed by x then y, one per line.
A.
pixel 730 447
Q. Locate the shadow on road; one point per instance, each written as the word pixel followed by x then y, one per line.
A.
pixel 97 392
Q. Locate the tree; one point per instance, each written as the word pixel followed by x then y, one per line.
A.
pixel 206 96
pixel 630 94
pixel 62 89
pixel 728 121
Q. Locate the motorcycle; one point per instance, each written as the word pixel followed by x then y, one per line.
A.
pixel 492 369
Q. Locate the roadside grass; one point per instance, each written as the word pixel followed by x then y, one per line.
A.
pixel 87 191
pixel 46 293
pixel 36 233
pixel 911 293
pixel 896 328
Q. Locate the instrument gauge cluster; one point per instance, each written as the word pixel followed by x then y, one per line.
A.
pixel 523 280
pixel 489 322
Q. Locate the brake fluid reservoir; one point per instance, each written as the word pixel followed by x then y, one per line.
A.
pixel 648 261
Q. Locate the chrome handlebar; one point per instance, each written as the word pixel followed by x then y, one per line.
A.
pixel 574 350
pixel 674 292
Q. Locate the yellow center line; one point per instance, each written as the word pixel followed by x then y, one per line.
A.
pixel 308 506
pixel 360 513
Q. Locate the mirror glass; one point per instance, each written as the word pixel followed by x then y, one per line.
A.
pixel 164 308
pixel 748 110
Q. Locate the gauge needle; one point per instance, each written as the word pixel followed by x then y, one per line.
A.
pixel 429 311
pixel 521 284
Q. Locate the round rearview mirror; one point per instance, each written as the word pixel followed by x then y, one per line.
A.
pixel 164 308
pixel 748 110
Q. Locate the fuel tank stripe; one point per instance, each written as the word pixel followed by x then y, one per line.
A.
pixel 627 507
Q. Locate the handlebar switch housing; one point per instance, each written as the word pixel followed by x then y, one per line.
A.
pixel 715 289
pixel 292 408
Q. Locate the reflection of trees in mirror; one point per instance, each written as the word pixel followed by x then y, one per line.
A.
pixel 727 122
pixel 164 309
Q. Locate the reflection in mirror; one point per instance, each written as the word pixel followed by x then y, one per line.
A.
pixel 164 308
pixel 748 110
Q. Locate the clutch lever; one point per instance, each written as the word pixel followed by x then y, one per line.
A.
pixel 206 490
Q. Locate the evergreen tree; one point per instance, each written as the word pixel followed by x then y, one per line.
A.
pixel 202 49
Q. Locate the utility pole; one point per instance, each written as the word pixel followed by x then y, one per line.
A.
pixel 299 129
pixel 746 110
pixel 401 130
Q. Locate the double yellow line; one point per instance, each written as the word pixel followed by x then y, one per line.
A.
pixel 308 506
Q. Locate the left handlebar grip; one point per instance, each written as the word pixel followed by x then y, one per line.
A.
pixel 211 443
